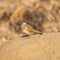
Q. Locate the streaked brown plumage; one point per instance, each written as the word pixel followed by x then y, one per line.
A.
pixel 28 29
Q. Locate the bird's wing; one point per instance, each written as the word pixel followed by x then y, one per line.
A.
pixel 30 28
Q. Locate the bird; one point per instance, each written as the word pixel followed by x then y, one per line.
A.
pixel 29 30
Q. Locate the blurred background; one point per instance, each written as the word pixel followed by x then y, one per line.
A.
pixel 43 15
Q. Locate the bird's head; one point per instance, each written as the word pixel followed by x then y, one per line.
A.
pixel 24 25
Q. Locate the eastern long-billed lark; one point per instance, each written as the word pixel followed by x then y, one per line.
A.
pixel 29 30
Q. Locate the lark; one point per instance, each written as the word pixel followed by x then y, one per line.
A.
pixel 29 30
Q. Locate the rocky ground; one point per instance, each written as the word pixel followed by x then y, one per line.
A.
pixel 36 47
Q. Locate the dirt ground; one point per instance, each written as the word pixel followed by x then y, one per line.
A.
pixel 36 47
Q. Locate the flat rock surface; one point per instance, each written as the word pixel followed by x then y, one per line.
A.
pixel 36 47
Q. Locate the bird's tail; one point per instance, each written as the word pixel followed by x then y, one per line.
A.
pixel 37 32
